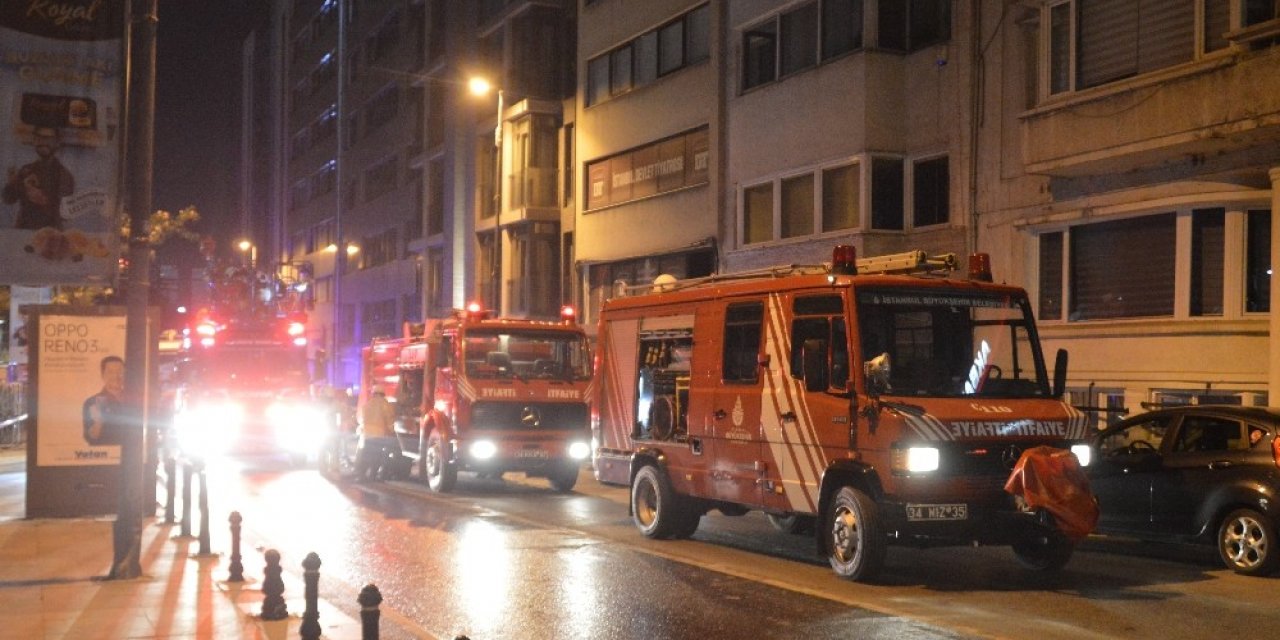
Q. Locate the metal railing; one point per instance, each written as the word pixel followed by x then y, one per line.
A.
pixel 13 413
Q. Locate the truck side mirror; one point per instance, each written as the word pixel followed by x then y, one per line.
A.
pixel 1060 373
pixel 814 355
pixel 877 372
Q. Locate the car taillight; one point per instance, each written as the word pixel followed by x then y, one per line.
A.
pixel 1275 449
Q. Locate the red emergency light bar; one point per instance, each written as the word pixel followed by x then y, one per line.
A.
pixel 476 311
pixel 844 260
pixel 568 314
pixel 980 267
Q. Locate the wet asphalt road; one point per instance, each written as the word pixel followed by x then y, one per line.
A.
pixel 512 559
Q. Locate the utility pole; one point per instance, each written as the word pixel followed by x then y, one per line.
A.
pixel 141 65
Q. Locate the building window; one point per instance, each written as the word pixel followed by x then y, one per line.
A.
pixel 931 192
pixel 797 206
pixel 841 197
pixel 673 46
pixel 1109 279
pixel 841 27
pixel 1050 299
pixel 324 180
pixel 1208 227
pixel 886 194
pixel 911 25
pixel 435 197
pixel 382 107
pixel 799 49
pixel 436 304
pixel 759 55
pixel 1094 42
pixel 1258 261
pixel 757 213
pixel 380 178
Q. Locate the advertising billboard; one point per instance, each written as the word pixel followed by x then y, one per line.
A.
pixel 61 119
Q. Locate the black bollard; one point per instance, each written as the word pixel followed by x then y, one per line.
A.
pixel 204 513
pixel 186 500
pixel 369 600
pixel 310 629
pixel 273 605
pixel 236 568
pixel 170 489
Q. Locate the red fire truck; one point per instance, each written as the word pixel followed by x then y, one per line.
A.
pixel 874 400
pixel 487 395
pixel 243 380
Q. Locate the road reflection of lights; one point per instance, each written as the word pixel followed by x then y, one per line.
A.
pixel 580 592
pixel 484 574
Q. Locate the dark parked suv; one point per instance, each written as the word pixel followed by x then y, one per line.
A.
pixel 1206 474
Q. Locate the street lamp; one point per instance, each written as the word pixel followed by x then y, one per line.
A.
pixel 251 249
pixel 481 87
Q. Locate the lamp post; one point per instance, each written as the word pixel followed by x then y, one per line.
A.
pixel 481 87
pixel 250 249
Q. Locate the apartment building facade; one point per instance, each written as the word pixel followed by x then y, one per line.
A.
pixel 1115 158
pixel 1118 161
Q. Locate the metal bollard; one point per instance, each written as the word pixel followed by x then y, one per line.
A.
pixel 170 489
pixel 310 629
pixel 369 600
pixel 236 569
pixel 273 605
pixel 204 514
pixel 186 500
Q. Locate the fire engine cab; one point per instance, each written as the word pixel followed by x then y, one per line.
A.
pixel 243 376
pixel 488 395
pixel 878 400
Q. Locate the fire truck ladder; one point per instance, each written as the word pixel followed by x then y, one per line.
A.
pixel 908 262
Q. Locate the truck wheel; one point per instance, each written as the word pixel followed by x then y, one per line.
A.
pixel 655 507
pixel 1247 543
pixel 1049 551
pixel 690 517
pixel 564 477
pixel 856 545
pixel 441 473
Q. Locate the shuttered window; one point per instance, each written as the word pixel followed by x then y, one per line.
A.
pixel 1207 234
pixel 1122 38
pixel 1123 269
pixel 1258 261
pixel 1050 302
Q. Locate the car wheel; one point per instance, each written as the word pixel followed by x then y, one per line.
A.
pixel 562 479
pixel 442 474
pixel 1049 551
pixel 655 508
pixel 856 545
pixel 1246 543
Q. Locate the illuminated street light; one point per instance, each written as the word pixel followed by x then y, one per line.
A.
pixel 481 87
pixel 352 249
pixel 251 249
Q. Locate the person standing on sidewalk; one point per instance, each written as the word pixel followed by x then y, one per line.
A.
pixel 377 439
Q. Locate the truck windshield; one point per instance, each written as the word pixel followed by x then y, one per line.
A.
pixel 952 343
pixel 559 355
pixel 263 368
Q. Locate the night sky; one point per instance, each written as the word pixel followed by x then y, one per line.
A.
pixel 198 111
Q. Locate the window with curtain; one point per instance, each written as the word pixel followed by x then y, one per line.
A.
pixel 1050 299
pixel 757 205
pixel 1207 236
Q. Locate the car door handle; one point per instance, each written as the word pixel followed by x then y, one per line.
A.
pixel 1221 464
pixel 719 414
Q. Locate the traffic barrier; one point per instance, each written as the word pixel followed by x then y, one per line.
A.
pixel 186 501
pixel 170 488
pixel 369 600
pixel 273 605
pixel 310 629
pixel 236 569
pixel 204 512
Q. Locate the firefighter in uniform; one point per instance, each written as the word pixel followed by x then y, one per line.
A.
pixel 377 439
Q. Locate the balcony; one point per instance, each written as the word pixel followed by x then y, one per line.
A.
pixel 1229 104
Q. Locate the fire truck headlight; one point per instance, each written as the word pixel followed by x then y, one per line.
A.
pixel 1083 452
pixel 483 449
pixel 579 450
pixel 916 459
pixel 208 428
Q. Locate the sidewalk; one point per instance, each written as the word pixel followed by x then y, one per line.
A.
pixel 52 586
